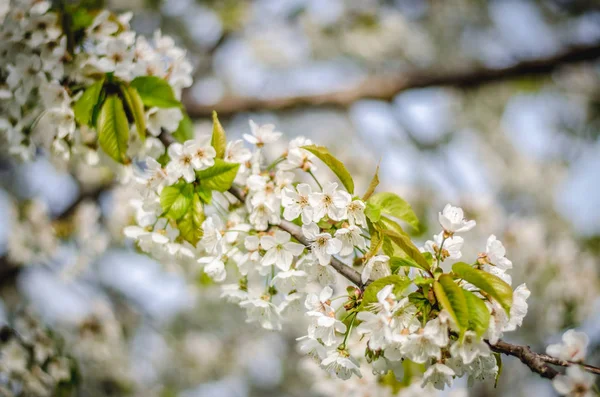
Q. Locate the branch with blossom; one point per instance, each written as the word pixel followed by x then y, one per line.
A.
pixel 279 239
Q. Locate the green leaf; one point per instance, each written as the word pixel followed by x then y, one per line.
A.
pixel 376 244
pixel 370 295
pixel 136 109
pixel 219 140
pixel 396 263
pixel 334 164
pixel 451 297
pixel 372 212
pixel 176 199
pixel 393 205
pixel 486 282
pixel 204 194
pixel 113 129
pixel 479 315
pixel 218 177
pixel 190 225
pixel 498 357
pixel 403 241
pixel 185 130
pixel 372 186
pixel 155 92
pixel 84 107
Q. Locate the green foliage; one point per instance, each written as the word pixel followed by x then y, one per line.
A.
pixel 218 177
pixel 403 241
pixel 136 108
pixel 372 212
pixel 370 295
pixel 190 225
pixel 486 282
pixel 451 297
pixel 219 139
pixel 372 186
pixel 113 129
pixel 155 92
pixel 396 263
pixel 498 358
pixel 204 194
pixel 185 130
pixel 393 205
pixel 84 107
pixel 334 164
pixel 176 199
pixel 479 315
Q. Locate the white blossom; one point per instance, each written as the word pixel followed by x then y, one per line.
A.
pixel 573 347
pixel 453 221
pixel 323 245
pixel 376 267
pixel 576 383
pixel 331 202
pixel 439 375
pixel 262 135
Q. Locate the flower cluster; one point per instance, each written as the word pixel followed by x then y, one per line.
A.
pixel 32 360
pixel 46 69
pixel 279 236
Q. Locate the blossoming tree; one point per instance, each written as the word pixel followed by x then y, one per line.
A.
pixel 82 88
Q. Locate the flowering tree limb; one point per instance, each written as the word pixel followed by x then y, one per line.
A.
pixel 387 87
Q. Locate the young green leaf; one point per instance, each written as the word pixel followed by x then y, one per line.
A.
pixel 204 194
pixel 136 109
pixel 185 130
pixel 370 295
pixel 397 262
pixel 373 212
pixel 219 140
pixel 486 282
pixel 113 129
pixel 218 177
pixel 451 297
pixel 334 164
pixel 393 205
pixel 190 225
pixel 372 186
pixel 479 315
pixel 403 241
pixel 155 92
pixel 176 199
pixel 84 107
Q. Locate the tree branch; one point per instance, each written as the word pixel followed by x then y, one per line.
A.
pixel 527 357
pixel 387 87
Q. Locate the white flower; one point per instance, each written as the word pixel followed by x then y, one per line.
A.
pixel 419 348
pixel 356 213
pixel 350 237
pixel 378 267
pixel 481 369
pixel 14 358
pixel 298 157
pixel 236 152
pixel 262 135
pixel 319 304
pixel 470 348
pixel 181 161
pixel 155 176
pixel 296 203
pixel 573 347
pixel 263 312
pixel 439 375
pixel 159 119
pixel 576 383
pixel 232 293
pixel 204 154
pixel 287 281
pixel 311 347
pixel 330 202
pixel 325 328
pixel 494 254
pixel 450 249
pixel 341 364
pixel 378 325
pixel 211 239
pixel 323 245
pixel 436 330
pixel 519 307
pixel 264 212
pixel 214 267
pixel 386 300
pixel 453 221
pixel 280 250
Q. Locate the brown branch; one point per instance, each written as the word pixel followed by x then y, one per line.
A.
pixel 387 87
pixel 527 357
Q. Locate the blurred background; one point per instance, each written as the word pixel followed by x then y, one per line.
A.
pixel 492 106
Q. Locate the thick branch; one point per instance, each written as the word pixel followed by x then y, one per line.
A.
pixel 527 357
pixel 387 87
